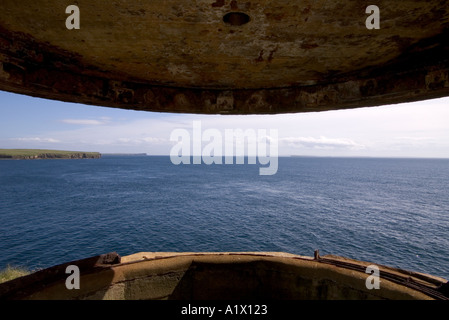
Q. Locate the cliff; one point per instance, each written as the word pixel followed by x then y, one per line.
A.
pixel 29 154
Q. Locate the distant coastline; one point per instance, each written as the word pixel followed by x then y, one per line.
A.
pixel 33 154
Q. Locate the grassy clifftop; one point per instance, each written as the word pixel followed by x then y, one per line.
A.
pixel 10 273
pixel 46 154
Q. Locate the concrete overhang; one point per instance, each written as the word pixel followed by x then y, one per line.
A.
pixel 226 57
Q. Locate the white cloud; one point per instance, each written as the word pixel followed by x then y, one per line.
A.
pixel 415 139
pixel 137 141
pixel 87 122
pixel 36 139
pixel 407 129
pixel 153 140
pixel 321 143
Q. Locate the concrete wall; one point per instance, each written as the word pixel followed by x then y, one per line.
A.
pixel 229 276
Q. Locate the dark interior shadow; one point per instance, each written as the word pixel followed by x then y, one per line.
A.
pixel 256 280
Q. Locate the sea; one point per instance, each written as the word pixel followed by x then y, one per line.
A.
pixel 392 212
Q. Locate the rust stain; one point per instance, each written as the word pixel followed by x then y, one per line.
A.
pixel 306 10
pixel 309 45
pixel 218 3
pixel 270 57
pixel 403 43
pixel 275 16
pixel 234 5
pixel 260 58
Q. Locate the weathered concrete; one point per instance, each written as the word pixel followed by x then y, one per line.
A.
pixel 182 56
pixel 222 275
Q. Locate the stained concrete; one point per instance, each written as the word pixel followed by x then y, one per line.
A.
pixel 183 56
pixel 222 276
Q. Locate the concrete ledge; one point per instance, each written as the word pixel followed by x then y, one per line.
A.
pixel 224 276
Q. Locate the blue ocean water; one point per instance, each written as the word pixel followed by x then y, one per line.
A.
pixel 387 211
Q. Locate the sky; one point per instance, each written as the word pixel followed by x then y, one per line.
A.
pixel 418 129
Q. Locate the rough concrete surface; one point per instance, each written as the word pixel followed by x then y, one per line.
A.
pixel 191 56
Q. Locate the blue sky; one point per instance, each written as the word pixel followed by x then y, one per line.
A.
pixel 419 129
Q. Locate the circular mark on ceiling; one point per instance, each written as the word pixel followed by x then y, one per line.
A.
pixel 236 18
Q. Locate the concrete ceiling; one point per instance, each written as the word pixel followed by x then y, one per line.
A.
pixel 226 57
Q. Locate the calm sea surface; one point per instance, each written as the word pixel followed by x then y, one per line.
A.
pixel 385 211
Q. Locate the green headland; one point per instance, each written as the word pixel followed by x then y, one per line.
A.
pixel 10 273
pixel 46 154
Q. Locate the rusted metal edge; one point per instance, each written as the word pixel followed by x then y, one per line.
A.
pixel 441 291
